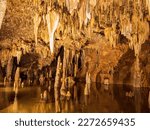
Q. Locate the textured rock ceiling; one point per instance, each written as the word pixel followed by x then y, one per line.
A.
pixel 42 26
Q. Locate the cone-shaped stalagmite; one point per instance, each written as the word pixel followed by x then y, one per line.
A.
pixel 17 81
pixel 76 64
pixel 63 80
pixel 9 69
pixel 137 73
pixel 57 86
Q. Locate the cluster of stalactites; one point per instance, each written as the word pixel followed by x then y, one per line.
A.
pixel 54 15
pixel 140 35
pixel 131 16
pixel 50 18
pixel 126 17
pixel 136 30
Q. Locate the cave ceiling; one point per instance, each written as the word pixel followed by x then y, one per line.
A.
pixel 41 27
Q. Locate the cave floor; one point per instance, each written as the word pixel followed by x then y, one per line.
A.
pixel 108 99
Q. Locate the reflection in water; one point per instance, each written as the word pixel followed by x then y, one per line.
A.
pixel 43 107
pixel 67 106
pixel 102 98
pixel 15 105
pixel 149 101
pixel 6 97
pixel 138 100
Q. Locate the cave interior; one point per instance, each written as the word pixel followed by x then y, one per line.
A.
pixel 76 50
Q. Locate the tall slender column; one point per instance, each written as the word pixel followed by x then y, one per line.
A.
pixel 56 86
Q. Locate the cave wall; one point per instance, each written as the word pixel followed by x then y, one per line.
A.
pixel 124 71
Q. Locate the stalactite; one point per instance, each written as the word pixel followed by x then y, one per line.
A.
pixel 61 2
pixel 56 86
pixel 87 12
pixel 109 12
pixel 37 21
pixel 140 34
pixel 148 5
pixel 3 4
pixel 111 35
pixel 126 26
pixel 72 5
pixel 93 3
pixel 82 14
pixel 52 19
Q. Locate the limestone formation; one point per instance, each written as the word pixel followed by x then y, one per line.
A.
pixel 57 87
pixel 52 23
pixel 17 81
pixel 94 32
pixel 3 4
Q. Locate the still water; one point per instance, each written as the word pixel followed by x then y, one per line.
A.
pixel 112 98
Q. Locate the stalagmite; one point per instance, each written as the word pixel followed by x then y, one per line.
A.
pixel 76 65
pixel 18 54
pixel 9 69
pixel 52 19
pixel 70 64
pixel 88 82
pixel 5 81
pixel 75 95
pixel 68 95
pixel 86 91
pixel 149 100
pixel 137 73
pixel 72 107
pixel 63 80
pixel 56 86
pixel 37 21
pixel 75 69
pixel 17 81
pixel 137 99
pixel 3 4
